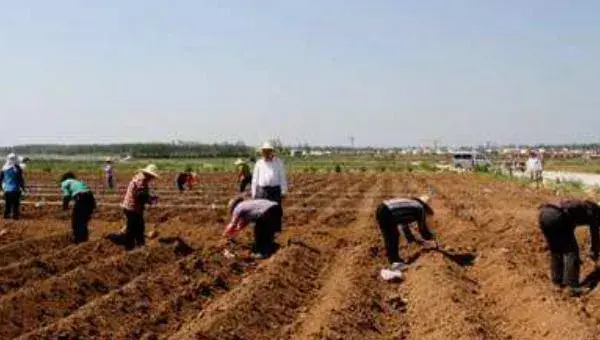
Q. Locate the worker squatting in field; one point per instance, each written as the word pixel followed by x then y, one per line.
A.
pixel 399 213
pixel 186 179
pixel 13 184
pixel 558 220
pixel 83 208
pixel 266 217
pixel 134 203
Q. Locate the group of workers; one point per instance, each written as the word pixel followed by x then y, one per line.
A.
pixel 557 219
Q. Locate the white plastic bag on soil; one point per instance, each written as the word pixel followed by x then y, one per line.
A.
pixel 391 275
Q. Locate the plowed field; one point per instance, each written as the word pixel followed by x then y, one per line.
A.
pixel 323 282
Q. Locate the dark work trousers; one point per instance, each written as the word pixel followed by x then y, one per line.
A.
pixel 245 182
pixel 110 182
pixel 83 209
pixel 264 230
pixel 390 232
pixel 135 230
pixel 181 186
pixel 269 193
pixel 564 251
pixel 12 205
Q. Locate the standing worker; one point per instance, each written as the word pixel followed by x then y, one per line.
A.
pixel 13 183
pixel 84 206
pixel 558 220
pixel 535 168
pixel 269 178
pixel 266 216
pixel 401 212
pixel 109 173
pixel 244 174
pixel 134 203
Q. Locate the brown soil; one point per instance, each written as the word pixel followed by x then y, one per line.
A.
pixel 491 282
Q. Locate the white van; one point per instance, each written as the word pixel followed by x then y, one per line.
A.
pixel 469 160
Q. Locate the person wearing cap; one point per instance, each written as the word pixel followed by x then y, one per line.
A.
pixel 266 217
pixel 109 173
pixel 269 180
pixel 83 208
pixel 535 168
pixel 13 183
pixel 244 174
pixel 558 220
pixel 185 178
pixel 400 213
pixel 134 203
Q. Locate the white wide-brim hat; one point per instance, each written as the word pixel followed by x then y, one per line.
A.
pixel 151 170
pixel 239 162
pixel 267 146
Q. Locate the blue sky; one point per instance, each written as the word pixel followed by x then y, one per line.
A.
pixel 389 72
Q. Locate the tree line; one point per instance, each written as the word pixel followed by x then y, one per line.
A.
pixel 138 150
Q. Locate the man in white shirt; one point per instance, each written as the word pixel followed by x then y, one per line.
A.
pixel 535 168
pixel 269 178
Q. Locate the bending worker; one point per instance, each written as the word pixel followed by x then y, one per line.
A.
pixel 134 204
pixel 400 213
pixel 266 216
pixel 84 206
pixel 269 179
pixel 558 221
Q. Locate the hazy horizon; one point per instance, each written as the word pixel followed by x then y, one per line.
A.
pixel 389 73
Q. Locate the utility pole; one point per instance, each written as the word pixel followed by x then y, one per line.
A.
pixel 352 141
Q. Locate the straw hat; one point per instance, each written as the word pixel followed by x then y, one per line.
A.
pixel 267 146
pixel 108 160
pixel 151 170
pixel 239 161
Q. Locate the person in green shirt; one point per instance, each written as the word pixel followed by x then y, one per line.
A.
pixel 85 204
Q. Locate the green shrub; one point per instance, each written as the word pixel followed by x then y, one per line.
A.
pixel 482 168
pixel 337 169
pixel 426 166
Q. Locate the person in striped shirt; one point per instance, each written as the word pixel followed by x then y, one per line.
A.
pixel 395 214
pixel 83 208
pixel 136 198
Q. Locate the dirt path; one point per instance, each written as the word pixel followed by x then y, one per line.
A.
pixel 336 279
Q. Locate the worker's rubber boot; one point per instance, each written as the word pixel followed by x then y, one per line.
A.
pixel 557 269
